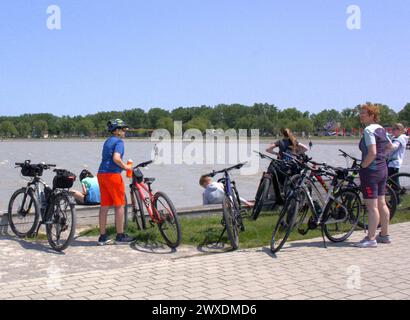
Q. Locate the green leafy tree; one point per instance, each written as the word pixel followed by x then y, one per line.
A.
pixel 303 125
pixel 7 129
pixel 166 123
pixel 387 116
pixel 85 127
pixel 199 123
pixel 39 128
pixel 404 115
pixel 155 114
pixel 24 129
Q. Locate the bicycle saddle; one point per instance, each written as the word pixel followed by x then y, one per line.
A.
pixel 149 180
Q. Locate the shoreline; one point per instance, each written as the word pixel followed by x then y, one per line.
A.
pixel 318 140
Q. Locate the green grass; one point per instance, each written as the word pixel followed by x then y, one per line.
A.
pixel 206 230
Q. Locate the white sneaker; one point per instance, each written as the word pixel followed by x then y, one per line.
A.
pixel 367 243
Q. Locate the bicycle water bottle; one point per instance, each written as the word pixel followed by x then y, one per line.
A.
pixel 129 172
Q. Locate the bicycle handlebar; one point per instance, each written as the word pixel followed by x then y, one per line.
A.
pixel 44 166
pixel 237 166
pixel 144 164
pixel 346 155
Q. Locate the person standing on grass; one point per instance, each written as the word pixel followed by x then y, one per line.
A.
pixel 374 145
pixel 112 187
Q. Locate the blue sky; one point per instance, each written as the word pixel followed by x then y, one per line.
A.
pixel 112 55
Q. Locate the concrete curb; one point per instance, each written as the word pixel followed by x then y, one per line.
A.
pixel 88 215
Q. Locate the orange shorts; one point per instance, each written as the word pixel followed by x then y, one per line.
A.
pixel 112 189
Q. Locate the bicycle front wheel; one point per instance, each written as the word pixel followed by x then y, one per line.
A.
pixel 231 223
pixel 284 225
pixel 342 215
pixel 60 222
pixel 261 195
pixel 169 225
pixel 23 212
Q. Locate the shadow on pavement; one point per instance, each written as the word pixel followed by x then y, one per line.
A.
pixel 292 246
pixel 214 248
pixel 155 247
pixel 34 244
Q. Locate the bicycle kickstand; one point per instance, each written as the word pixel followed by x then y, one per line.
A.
pixel 37 229
pixel 220 237
pixel 323 237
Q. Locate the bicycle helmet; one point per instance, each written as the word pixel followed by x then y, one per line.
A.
pixel 84 174
pixel 113 125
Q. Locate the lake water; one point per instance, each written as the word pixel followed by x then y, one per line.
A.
pixel 179 181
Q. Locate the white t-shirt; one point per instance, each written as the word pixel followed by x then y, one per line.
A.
pixel 397 156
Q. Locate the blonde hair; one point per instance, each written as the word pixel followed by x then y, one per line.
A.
pixel 288 134
pixel 372 110
pixel 399 126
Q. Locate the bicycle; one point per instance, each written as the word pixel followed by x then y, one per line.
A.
pixel 231 206
pixel 159 207
pixel 337 217
pixel 55 206
pixel 271 190
pixel 391 194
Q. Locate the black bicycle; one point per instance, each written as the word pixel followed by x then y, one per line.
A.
pixel 337 217
pixel 231 207
pixel 273 185
pixel 54 206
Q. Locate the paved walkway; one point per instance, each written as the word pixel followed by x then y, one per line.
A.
pixel 302 270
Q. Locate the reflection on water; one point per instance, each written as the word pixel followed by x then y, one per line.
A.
pixel 180 182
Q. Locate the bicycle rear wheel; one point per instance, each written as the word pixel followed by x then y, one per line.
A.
pixel 342 214
pixel 284 225
pixel 169 225
pixel 60 221
pixel 23 212
pixel 400 183
pixel 261 195
pixel 231 224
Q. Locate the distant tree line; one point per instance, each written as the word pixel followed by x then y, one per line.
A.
pixel 268 118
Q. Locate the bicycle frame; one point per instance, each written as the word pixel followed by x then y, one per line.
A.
pixel 229 189
pixel 38 186
pixel 143 190
pixel 320 218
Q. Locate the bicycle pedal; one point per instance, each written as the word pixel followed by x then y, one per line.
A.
pixel 152 223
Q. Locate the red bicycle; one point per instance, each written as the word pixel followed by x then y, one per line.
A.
pixel 159 207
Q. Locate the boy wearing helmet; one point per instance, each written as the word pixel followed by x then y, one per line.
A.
pixel 91 190
pixel 112 188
